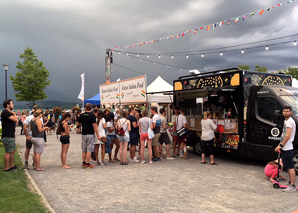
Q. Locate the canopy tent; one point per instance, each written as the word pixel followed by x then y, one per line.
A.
pixel 295 83
pixel 157 86
pixel 94 100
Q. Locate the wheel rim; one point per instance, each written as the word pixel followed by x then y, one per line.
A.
pixel 295 160
pixel 198 147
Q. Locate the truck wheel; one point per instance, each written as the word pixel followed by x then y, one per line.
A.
pixel 197 146
pixel 295 160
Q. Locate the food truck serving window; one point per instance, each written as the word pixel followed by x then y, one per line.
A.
pixel 269 109
pixel 291 101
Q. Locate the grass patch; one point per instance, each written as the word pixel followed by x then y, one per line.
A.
pixel 15 194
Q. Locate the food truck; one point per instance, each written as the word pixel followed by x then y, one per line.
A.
pixel 246 105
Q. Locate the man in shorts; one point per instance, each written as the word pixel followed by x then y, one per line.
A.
pixel 89 127
pixel 286 146
pixel 182 122
pixel 8 118
pixel 175 136
pixel 156 120
pixel 133 134
pixel 164 137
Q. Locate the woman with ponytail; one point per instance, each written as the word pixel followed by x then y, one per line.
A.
pixel 64 129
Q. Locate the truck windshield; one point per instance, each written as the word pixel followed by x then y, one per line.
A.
pixel 291 101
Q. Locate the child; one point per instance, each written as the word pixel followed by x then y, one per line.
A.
pixel 271 170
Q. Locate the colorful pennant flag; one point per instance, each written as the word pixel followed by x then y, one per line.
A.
pixel 207 26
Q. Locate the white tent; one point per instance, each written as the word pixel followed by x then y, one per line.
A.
pixel 295 83
pixel 159 85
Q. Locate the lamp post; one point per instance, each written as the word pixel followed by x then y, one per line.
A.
pixel 5 68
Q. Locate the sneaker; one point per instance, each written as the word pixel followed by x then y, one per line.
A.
pixel 170 158
pixel 158 160
pixel 98 163
pixel 181 156
pixel 130 160
pixel 8 170
pixel 103 163
pixel 151 162
pixel 14 167
pixel 135 158
pixel 26 165
pixel 143 162
pixel 154 159
pixel 291 188
pixel 135 161
pixel 173 156
pixel 90 166
pixel 83 164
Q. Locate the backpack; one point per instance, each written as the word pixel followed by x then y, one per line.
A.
pixel 120 131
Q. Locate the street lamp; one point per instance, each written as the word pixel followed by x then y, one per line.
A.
pixel 5 68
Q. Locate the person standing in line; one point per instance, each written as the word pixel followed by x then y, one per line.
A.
pixel 89 127
pixel 144 124
pixel 112 135
pixel 164 137
pixel 133 135
pixel 8 119
pixel 175 136
pixel 123 124
pixel 182 122
pixel 286 146
pixel 23 118
pixel 208 128
pixel 156 120
pixel 101 125
pixel 64 130
pixel 37 138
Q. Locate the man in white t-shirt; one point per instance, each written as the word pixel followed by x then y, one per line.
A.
pixel 175 136
pixel 156 120
pixel 286 146
pixel 182 122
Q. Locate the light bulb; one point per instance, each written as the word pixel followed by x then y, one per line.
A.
pixel 172 56
pixel 168 66
pixel 203 55
pixel 187 56
pixel 147 56
pixel 138 55
pixel 154 62
pixel 127 54
pixel 119 53
pixel 141 59
pixel 159 56
pixel 295 43
pixel 221 54
pixel 267 47
pixel 242 51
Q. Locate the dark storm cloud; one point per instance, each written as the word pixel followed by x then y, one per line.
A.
pixel 70 37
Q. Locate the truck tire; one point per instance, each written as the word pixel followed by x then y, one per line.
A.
pixel 197 146
pixel 295 160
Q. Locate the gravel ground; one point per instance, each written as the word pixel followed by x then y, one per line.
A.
pixel 235 185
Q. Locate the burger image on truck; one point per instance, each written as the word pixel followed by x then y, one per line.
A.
pixel 246 106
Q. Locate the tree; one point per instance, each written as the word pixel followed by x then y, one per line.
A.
pixel 31 78
pixel 244 67
pixel 293 71
pixel 260 68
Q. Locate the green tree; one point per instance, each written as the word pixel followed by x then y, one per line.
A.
pixel 260 68
pixel 244 67
pixel 293 71
pixel 31 78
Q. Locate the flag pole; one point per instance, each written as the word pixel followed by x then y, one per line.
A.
pixel 84 93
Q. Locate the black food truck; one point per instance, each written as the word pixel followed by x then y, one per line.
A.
pixel 247 107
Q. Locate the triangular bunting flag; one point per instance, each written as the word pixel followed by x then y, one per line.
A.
pixel 252 14
pixel 236 20
pixel 182 34
pixel 229 21
pixel 208 27
pixel 194 32
pixel 262 11
pixel 244 17
pixel 201 28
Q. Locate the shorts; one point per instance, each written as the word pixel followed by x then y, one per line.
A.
pixel 164 138
pixel 287 159
pixel 182 139
pixel 122 138
pixel 64 139
pixel 87 144
pixel 155 140
pixel 38 145
pixel 112 137
pixel 133 139
pixel 144 136
pixel 9 144
pixel 98 141
pixel 28 144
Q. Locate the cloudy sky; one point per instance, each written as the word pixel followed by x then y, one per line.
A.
pixel 70 37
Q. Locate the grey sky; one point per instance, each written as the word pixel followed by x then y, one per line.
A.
pixel 70 37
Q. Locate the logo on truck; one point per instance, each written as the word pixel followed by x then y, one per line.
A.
pixel 275 132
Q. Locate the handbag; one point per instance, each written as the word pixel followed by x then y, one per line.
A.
pixel 150 133
pixel 181 132
pixel 120 131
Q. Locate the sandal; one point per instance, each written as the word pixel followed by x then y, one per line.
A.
pixel 124 163
pixel 215 163
pixel 204 162
pixel 121 163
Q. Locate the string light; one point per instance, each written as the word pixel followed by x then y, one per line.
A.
pixel 168 66
pixel 138 55
pixel 295 43
pixel 242 51
pixel 154 62
pixel 127 54
pixel 221 54
pixel 202 55
pixel 141 59
pixel 267 47
pixel 148 56
pixel 172 56
pixel 159 56
pixel 119 53
pixel 187 56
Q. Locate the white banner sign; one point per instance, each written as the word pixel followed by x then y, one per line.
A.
pixel 131 91
pixel 81 95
